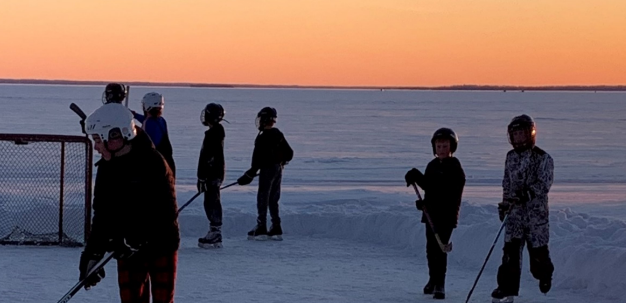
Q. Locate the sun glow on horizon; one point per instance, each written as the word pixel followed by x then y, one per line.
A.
pixel 344 42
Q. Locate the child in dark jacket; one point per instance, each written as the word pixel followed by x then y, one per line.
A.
pixel 271 154
pixel 135 215
pixel 211 170
pixel 443 185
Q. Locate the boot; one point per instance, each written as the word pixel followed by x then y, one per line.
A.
pixel 545 285
pixel 429 288
pixel 439 292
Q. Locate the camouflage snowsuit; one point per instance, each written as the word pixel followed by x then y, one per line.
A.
pixel 528 176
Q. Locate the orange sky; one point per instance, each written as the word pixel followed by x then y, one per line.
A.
pixel 323 42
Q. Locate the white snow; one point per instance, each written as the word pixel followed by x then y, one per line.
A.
pixel 352 233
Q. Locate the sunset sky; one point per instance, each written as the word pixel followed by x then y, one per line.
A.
pixel 305 42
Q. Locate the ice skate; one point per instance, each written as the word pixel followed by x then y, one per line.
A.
pixel 259 233
pixel 499 296
pixel 213 238
pixel 276 232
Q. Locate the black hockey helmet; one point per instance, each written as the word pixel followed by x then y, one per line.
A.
pixel 445 133
pixel 212 113
pixel 265 116
pixel 114 93
pixel 526 123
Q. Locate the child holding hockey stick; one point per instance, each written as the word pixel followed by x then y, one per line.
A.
pixel 443 185
pixel 135 214
pixel 528 176
pixel 271 153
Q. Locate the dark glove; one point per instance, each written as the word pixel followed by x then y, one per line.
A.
pixel 202 186
pixel 87 262
pixel 503 209
pixel 246 178
pixel 419 203
pixel 123 250
pixel 412 176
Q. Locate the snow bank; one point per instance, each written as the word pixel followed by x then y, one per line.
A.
pixel 588 252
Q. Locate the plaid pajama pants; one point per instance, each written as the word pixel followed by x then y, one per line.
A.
pixel 145 274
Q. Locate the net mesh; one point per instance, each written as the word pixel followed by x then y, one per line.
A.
pixel 45 194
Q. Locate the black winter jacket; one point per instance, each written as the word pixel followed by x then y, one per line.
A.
pixel 135 199
pixel 443 184
pixel 270 148
pixel 211 164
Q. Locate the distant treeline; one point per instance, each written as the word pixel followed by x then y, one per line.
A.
pixel 382 88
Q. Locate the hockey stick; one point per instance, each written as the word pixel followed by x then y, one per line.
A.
pixel 229 185
pixel 189 202
pixel 81 114
pixel 82 282
pixel 446 248
pixel 487 259
pixel 198 193
pixel 127 94
pixel 78 111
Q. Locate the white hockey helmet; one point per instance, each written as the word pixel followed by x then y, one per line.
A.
pixel 152 100
pixel 110 117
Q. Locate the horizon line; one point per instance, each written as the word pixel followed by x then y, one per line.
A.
pixel 296 86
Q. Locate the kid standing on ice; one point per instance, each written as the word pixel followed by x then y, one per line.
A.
pixel 211 170
pixel 443 185
pixel 271 154
pixel 156 126
pixel 135 215
pixel 528 176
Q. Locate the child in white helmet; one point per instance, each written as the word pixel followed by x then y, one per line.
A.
pixel 154 124
pixel 134 215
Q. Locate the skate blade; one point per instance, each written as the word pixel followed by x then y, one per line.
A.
pixel 209 246
pixel 258 238
pixel 508 299
pixel 276 238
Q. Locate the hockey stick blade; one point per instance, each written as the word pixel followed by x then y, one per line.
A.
pixel 78 111
pixel 444 247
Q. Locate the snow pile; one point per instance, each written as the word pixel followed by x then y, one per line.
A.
pixel 588 252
